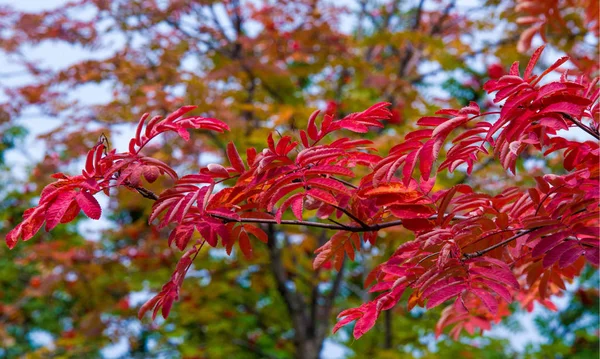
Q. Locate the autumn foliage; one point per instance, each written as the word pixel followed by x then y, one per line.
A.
pixel 474 251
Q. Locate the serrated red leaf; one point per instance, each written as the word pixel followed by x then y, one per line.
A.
pixel 244 243
pixel 501 276
pixel 89 205
pixel 258 233
pixel 445 293
pixel 181 235
pixel 234 158
pixel 322 196
pixel 548 242
pixel 57 209
pixel 533 61
pixel 553 255
pixel 365 323
pixel 312 127
pixel 488 300
pixel 71 213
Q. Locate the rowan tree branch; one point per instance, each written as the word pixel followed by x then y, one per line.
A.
pixel 338 227
pixel 497 245
pixel 581 125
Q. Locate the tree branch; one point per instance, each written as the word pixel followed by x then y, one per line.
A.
pixel 497 245
pixel 581 125
pixel 338 227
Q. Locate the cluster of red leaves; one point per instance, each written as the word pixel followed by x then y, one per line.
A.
pixel 481 251
pixel 61 201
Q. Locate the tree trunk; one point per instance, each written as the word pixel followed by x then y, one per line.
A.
pixel 309 348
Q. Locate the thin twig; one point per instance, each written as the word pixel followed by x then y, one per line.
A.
pixel 146 193
pixel 497 245
pixel 344 182
pixel 581 125
pixel 352 216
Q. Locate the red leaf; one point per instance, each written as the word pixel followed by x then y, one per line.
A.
pixel 555 253
pixel 150 304
pixel 322 196
pixel 445 293
pixel 167 304
pixel 58 208
pixel 498 288
pixel 71 213
pixel 365 323
pixel 547 243
pixel 488 300
pixel 257 232
pixel 411 211
pixel 181 235
pixel 312 127
pixel 234 158
pixel 427 156
pixel 296 201
pixel 534 59
pixel 217 169
pixel 569 257
pixel 501 276
pixel 89 205
pixel 245 246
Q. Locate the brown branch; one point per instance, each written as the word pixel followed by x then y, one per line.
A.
pixel 353 217
pixel 146 193
pixel 343 182
pixel 418 15
pixel 581 125
pixel 437 28
pixel 497 245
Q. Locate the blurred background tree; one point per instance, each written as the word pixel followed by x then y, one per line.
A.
pixel 92 67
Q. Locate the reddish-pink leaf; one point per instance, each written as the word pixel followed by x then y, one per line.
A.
pixel 234 158
pixel 365 323
pixel 445 293
pixel 312 127
pixel 245 246
pixel 555 253
pixel 181 235
pixel 89 205
pixel 488 300
pixel 71 213
pixel 569 257
pixel 150 304
pixel 322 196
pixel 257 232
pixel 533 61
pixel 547 243
pixel 58 208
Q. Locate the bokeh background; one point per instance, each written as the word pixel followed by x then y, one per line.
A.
pixel 71 71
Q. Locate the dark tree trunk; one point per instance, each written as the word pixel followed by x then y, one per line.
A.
pixel 309 348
